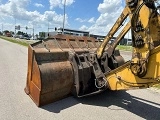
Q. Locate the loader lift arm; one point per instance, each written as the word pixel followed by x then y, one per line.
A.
pixel 145 42
pixel 113 30
pixel 63 64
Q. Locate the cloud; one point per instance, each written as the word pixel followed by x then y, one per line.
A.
pixel 20 3
pixel 80 20
pixel 55 18
pixel 68 2
pixel 54 3
pixel 38 5
pixel 60 3
pixel 7 25
pixel 83 27
pixel 109 12
pixel 91 20
pixel 17 9
pixel 109 6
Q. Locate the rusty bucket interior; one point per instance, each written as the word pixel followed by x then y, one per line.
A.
pixel 51 74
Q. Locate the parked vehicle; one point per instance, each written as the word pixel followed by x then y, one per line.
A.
pixel 21 36
pixel 33 38
pixel 27 38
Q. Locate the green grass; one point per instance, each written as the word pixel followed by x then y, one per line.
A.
pixel 13 40
pixel 157 86
pixel 124 47
pixel 24 43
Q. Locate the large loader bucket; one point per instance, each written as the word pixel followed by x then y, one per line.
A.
pixel 58 67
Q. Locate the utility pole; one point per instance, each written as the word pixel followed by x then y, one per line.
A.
pixel 32 29
pixel 2 28
pixel 64 15
pixel 33 32
pixel 15 26
pixel 48 28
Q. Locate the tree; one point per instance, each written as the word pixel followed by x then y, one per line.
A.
pixel 36 36
pixel 20 33
pixel 42 34
pixel 12 32
pixel 6 31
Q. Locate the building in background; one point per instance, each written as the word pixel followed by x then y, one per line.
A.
pixel 124 41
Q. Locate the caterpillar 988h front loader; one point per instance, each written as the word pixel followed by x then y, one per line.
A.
pixel 66 65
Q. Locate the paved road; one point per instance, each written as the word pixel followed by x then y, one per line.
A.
pixel 126 55
pixel 16 105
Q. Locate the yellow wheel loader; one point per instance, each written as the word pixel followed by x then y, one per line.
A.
pixel 65 65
